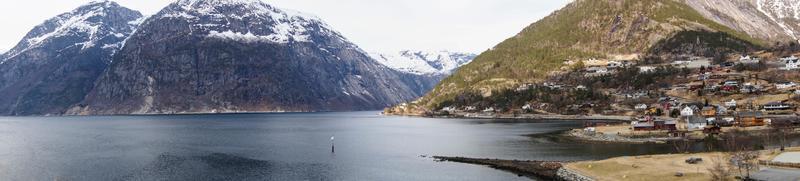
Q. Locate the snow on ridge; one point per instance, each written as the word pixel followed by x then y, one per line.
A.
pixel 424 62
pixel 75 21
pixel 777 10
pixel 289 25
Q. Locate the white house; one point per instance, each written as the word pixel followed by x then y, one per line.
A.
pixel 695 123
pixel 748 60
pixel 721 110
pixel 731 103
pixel 791 63
pixel 785 85
pixel 527 107
pixel 641 107
pixel 646 69
pixel 687 111
pixel 613 64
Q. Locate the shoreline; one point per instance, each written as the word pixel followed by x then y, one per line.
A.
pixel 529 168
pixel 521 116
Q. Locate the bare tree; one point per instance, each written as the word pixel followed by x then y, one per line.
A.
pixel 720 170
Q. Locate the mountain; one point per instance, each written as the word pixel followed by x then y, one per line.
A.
pixel 582 30
pixel 785 13
pixel 56 64
pixel 424 62
pixel 422 70
pixel 199 56
pixel 770 20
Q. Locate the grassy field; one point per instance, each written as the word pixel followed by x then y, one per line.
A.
pixel 657 167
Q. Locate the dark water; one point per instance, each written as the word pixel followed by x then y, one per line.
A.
pixel 279 147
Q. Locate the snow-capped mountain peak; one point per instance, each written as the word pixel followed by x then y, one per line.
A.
pixel 424 62
pixel 86 27
pixel 265 23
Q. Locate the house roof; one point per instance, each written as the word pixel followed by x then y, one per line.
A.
pixel 644 124
pixel 775 104
pixel 750 113
pixel 696 119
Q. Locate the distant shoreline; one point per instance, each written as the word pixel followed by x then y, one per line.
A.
pixel 524 116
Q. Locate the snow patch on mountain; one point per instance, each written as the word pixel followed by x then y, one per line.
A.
pixel 285 26
pixel 83 21
pixel 782 12
pixel 424 62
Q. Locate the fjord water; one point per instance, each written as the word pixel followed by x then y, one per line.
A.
pixel 290 146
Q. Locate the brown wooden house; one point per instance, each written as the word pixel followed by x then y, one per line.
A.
pixel 750 118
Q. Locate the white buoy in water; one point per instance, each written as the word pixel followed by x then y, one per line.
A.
pixel 333 149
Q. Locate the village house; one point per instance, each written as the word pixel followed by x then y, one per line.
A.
pixel 668 125
pixel 614 65
pixel 470 108
pixel 527 107
pixel 709 111
pixel 791 63
pixel 777 106
pixel 785 85
pixel 748 60
pixel 640 107
pixel 646 69
pixel 654 125
pixel 643 126
pixel 731 104
pixel 750 88
pixel 696 123
pixel 597 70
pixel 721 110
pixel 750 118
pixel 725 122
pixel 687 111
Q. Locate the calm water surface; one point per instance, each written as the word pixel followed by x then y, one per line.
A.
pixel 279 147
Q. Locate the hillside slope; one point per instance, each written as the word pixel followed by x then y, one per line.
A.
pixel 770 20
pixel 581 30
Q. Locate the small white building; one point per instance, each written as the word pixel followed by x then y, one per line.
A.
pixel 646 69
pixel 791 63
pixel 696 123
pixel 731 103
pixel 641 107
pixel 785 85
pixel 748 60
pixel 527 107
pixel 613 64
pixel 687 111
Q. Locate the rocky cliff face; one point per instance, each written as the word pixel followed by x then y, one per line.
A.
pixel 57 62
pixel 240 56
pixel 770 20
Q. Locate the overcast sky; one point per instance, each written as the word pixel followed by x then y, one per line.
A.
pixel 375 25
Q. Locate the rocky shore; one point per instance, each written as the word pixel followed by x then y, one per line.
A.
pixel 549 170
pixel 611 138
pixel 516 116
pixel 532 169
